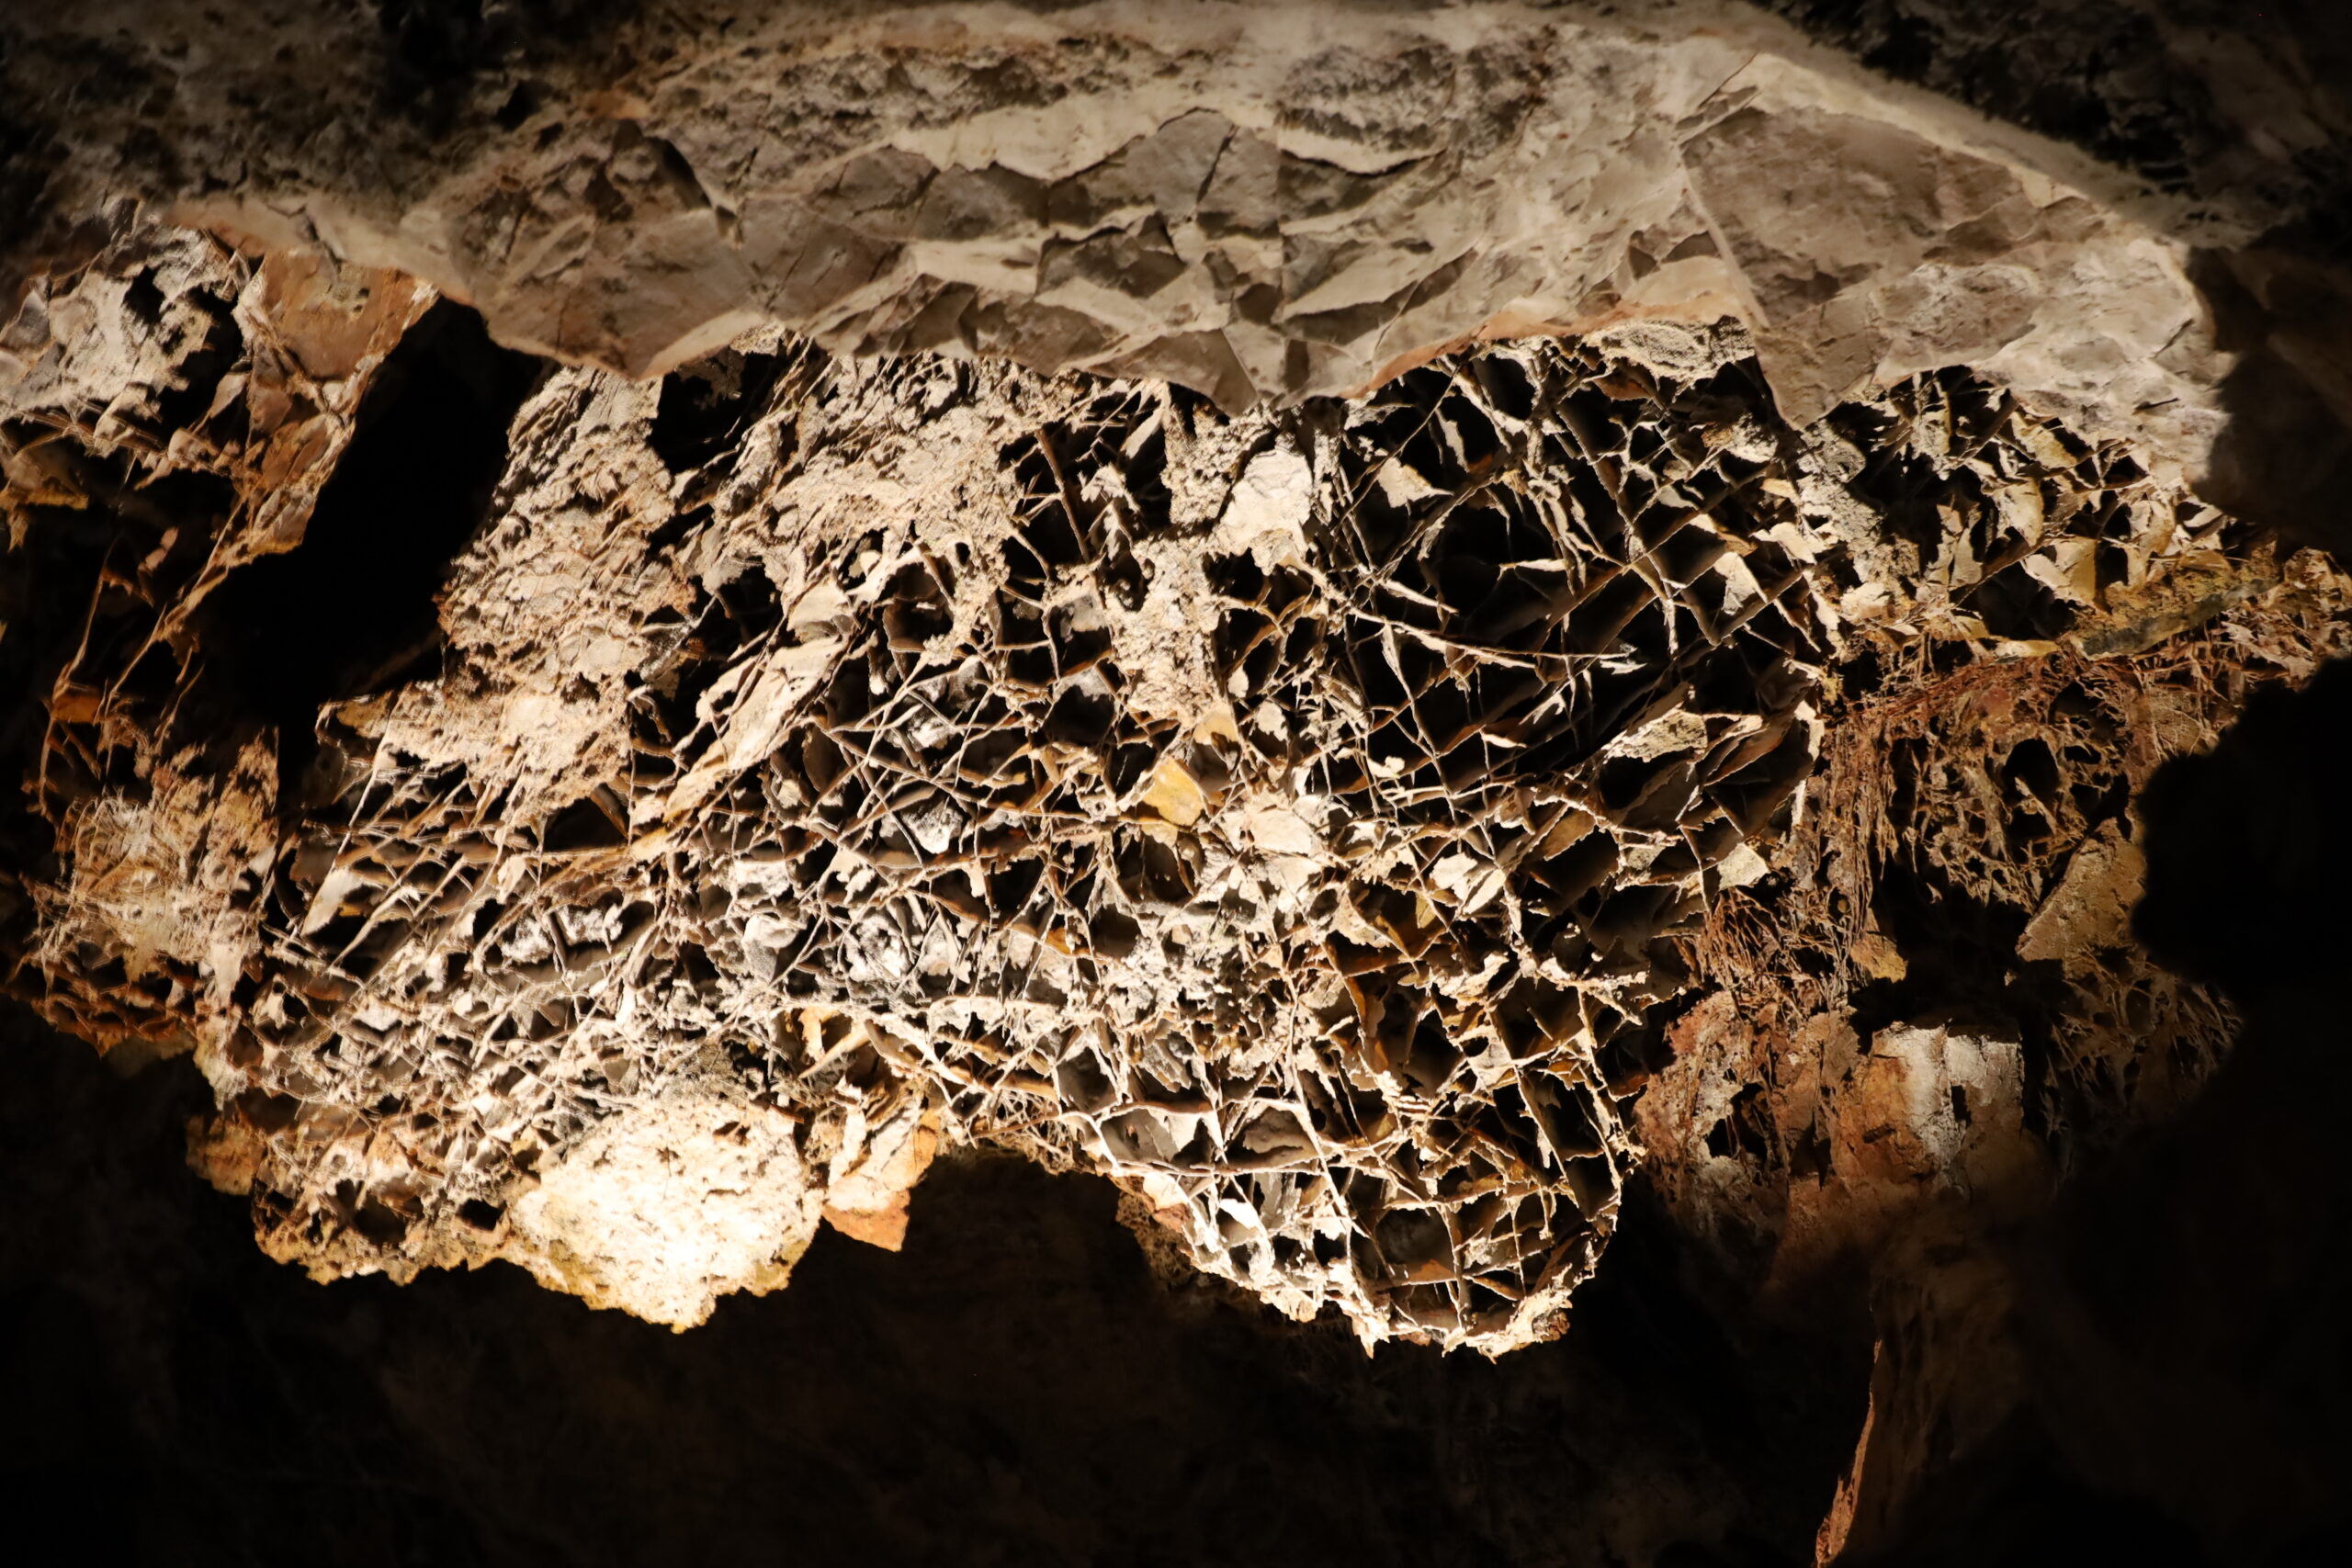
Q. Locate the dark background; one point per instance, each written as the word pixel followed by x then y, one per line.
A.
pixel 1016 1387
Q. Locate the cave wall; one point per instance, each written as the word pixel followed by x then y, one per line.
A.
pixel 1912 274
pixel 1322 820
pixel 1217 196
pixel 524 154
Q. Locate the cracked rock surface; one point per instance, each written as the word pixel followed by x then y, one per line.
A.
pixel 1640 662
pixel 1262 205
pixel 1361 828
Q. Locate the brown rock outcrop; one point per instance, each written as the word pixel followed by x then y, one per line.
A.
pixel 1313 820
pixel 1373 622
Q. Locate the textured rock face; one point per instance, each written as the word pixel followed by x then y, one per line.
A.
pixel 1361 620
pixel 169 422
pixel 1261 204
pixel 1316 820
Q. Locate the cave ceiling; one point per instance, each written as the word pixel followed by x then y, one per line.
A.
pixel 1369 621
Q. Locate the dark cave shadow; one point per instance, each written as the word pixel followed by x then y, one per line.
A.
pixel 350 611
pixel 2181 1308
pixel 1014 1387
pixel 2248 864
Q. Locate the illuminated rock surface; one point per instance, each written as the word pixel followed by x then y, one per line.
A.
pixel 1314 820
pixel 1379 640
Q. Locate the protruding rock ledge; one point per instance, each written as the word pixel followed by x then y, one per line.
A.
pixel 1315 818
pixel 1263 204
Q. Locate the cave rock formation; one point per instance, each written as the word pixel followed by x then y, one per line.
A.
pixel 1366 621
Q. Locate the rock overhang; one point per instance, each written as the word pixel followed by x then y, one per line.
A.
pixel 1308 370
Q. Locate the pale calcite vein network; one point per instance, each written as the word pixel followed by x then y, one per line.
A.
pixel 1297 807
pixel 1293 817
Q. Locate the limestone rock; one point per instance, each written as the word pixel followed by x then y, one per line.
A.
pixel 1362 618
pixel 1262 203
pixel 1314 819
